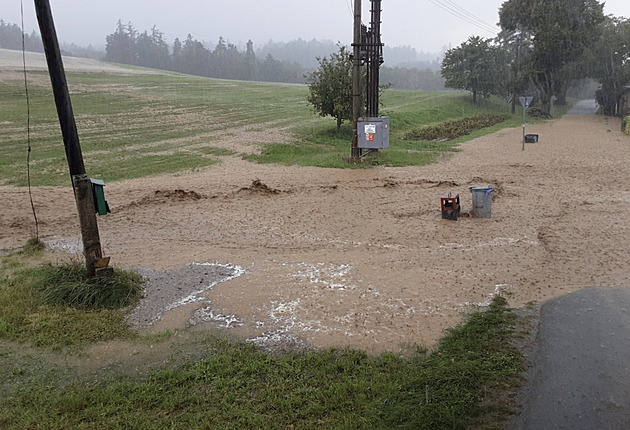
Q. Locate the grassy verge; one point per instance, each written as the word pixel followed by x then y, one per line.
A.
pixel 235 385
pixel 322 145
pixel 56 306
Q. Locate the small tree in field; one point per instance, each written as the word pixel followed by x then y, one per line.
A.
pixel 331 86
pixel 475 66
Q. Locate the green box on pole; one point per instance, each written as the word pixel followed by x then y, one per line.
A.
pixel 100 204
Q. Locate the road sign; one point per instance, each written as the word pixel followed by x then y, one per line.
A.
pixel 525 101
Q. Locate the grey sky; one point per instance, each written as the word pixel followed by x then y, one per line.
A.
pixel 418 23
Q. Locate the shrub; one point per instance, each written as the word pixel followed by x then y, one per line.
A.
pixel 453 129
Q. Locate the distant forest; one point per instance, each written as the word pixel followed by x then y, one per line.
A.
pixel 11 38
pixel 287 62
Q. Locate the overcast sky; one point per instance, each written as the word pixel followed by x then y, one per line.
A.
pixel 422 24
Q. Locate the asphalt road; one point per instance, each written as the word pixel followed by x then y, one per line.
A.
pixel 584 107
pixel 580 378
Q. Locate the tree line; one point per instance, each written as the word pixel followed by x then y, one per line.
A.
pixel 289 62
pixel 149 49
pixel 11 38
pixel 544 47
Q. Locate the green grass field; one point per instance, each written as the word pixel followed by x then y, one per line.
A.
pixel 138 125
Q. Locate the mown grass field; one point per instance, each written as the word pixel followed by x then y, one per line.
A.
pixel 132 126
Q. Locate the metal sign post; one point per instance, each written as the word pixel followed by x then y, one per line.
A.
pixel 525 102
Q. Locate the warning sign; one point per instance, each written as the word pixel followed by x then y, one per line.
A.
pixel 370 131
pixel 373 133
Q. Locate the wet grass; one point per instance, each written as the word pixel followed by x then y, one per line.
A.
pixel 229 383
pixel 134 126
pixel 322 145
pixel 58 307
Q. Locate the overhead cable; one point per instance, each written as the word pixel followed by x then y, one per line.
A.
pixel 474 17
pixel 462 14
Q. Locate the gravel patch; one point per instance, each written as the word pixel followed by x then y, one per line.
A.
pixel 169 289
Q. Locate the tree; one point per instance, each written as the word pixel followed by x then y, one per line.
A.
pixel 226 62
pixel 330 86
pixel 517 45
pixel 176 57
pixel 11 38
pixel 120 46
pixel 560 32
pixel 475 66
pixel 250 61
pixel 195 57
pixel 609 63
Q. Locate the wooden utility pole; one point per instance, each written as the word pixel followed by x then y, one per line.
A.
pixel 516 67
pixel 374 60
pixel 356 82
pixel 80 181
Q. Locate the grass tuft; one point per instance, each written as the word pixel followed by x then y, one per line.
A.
pixel 34 245
pixel 69 285
pixel 56 307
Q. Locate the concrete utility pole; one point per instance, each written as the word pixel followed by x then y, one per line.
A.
pixel 356 82
pixel 80 180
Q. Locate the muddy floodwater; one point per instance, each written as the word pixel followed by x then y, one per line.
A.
pixel 361 258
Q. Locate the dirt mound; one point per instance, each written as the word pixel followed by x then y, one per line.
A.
pixel 257 187
pixel 431 183
pixel 168 196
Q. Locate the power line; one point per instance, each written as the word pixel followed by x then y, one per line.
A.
pixel 464 15
pixel 28 126
pixel 350 7
pixel 476 18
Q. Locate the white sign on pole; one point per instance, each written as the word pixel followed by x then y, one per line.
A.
pixel 525 101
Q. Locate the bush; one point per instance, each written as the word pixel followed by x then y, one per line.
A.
pixel 625 125
pixel 453 129
pixel 538 113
